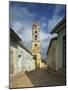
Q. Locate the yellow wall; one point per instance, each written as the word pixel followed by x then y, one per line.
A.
pixel 35 48
pixel 36 45
pixel 38 60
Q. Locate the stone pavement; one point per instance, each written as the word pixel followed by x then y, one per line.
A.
pixel 37 78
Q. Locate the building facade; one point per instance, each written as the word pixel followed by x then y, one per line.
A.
pixel 20 58
pixel 51 60
pixel 60 55
pixel 36 44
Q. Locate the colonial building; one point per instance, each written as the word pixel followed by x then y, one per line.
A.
pixel 51 60
pixel 57 48
pixel 36 44
pixel 21 59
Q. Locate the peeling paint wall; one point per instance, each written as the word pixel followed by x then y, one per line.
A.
pixel 20 60
pixel 25 62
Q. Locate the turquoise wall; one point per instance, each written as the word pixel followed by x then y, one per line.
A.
pixel 60 48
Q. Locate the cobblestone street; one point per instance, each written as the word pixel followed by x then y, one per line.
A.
pixel 36 78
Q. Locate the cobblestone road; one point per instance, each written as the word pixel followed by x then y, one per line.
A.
pixel 37 78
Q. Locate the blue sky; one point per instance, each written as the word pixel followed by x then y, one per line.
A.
pixel 22 15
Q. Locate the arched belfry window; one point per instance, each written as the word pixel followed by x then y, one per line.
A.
pixel 35 44
pixel 35 31
pixel 35 36
pixel 35 57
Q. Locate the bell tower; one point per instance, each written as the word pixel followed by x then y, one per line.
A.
pixel 36 44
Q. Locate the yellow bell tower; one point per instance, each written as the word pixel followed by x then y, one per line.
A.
pixel 36 44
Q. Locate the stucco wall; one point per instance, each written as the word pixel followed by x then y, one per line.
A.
pixel 25 62
pixel 36 48
pixel 12 58
pixel 60 49
pixel 20 60
pixel 51 60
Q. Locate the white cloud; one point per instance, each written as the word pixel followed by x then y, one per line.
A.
pixel 26 35
pixel 16 25
pixel 46 36
pixel 43 21
pixel 53 22
pixel 45 40
pixel 26 12
pixel 20 13
pixel 21 20
pixel 43 25
pixel 24 30
pixel 56 18
pixel 42 35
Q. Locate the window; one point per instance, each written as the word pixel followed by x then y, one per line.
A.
pixel 19 56
pixel 35 25
pixel 35 37
pixel 35 44
pixel 35 31
pixel 35 57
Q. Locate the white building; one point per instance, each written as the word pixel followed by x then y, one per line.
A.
pixel 21 59
pixel 57 48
